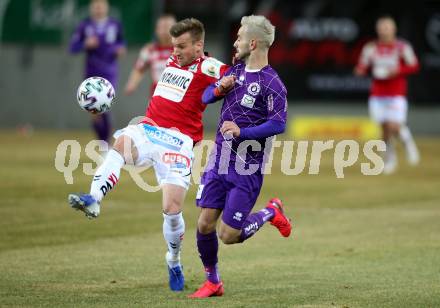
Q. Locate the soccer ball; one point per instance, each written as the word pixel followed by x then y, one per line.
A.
pixel 95 95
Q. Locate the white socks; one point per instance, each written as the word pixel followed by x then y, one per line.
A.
pixel 390 159
pixel 405 134
pixel 107 175
pixel 173 231
pixel 412 154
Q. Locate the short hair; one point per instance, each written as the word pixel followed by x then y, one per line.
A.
pixel 93 1
pixel 167 16
pixel 191 25
pixel 386 16
pixel 261 27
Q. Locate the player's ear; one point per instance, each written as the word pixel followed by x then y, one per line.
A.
pixel 253 44
pixel 199 44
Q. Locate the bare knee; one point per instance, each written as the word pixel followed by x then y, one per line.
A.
pixel 124 145
pixel 206 226
pixel 208 218
pixel 172 206
pixel 228 238
pixel 172 198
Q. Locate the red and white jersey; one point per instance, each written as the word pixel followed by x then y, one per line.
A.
pixel 389 64
pixel 154 57
pixel 177 99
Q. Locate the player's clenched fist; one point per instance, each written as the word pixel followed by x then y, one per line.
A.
pixel 230 128
pixel 226 84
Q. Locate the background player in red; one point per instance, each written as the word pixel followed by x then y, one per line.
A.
pixel 165 138
pixel 153 56
pixel 390 60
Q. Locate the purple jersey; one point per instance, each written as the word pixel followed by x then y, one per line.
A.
pixel 101 61
pixel 257 97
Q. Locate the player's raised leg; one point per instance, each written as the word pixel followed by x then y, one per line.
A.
pixel 274 213
pixel 105 178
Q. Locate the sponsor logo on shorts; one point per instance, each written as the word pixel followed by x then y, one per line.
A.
pixel 176 160
pixel 161 137
pixel 238 216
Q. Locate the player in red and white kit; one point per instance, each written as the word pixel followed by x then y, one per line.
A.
pixel 165 138
pixel 153 56
pixel 390 60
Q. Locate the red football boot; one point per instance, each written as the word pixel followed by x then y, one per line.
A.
pixel 209 289
pixel 279 220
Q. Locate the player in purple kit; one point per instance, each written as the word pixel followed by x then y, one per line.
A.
pixel 101 38
pixel 254 108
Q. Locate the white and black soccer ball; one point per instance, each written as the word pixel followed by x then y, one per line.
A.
pixel 96 95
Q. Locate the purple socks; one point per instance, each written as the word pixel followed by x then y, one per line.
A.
pixel 207 245
pixel 254 222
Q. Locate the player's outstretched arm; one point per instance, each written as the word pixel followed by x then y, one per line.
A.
pixel 265 130
pixel 135 78
pixel 209 95
pixel 218 90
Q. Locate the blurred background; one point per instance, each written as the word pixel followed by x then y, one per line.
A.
pixel 316 47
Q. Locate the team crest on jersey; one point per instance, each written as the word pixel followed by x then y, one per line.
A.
pixel 247 101
pixel 254 88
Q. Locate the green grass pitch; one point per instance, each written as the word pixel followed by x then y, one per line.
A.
pixel 361 241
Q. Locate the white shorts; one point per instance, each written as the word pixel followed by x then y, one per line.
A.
pixel 388 109
pixel 169 151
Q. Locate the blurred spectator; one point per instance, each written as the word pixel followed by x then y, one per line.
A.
pixel 390 60
pixel 153 56
pixel 101 38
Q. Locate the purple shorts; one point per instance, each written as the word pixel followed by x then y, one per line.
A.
pixel 232 193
